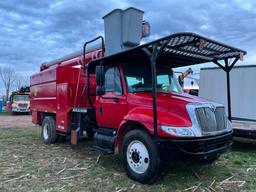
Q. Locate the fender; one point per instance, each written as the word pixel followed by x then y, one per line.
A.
pixel 143 117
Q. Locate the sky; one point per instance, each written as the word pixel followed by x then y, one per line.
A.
pixel 32 32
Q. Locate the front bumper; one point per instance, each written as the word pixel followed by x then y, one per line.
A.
pixel 245 133
pixel 195 148
pixel 20 110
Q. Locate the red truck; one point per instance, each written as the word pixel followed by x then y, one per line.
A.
pixel 130 103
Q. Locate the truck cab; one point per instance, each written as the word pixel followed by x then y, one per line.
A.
pixel 128 97
pixel 19 101
pixel 153 123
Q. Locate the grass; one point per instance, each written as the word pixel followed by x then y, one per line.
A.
pixel 28 165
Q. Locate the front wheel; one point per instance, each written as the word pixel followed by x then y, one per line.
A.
pixel 140 157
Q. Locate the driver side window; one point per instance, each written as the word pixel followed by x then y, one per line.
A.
pixel 113 81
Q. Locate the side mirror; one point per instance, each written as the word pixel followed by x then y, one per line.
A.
pixel 100 80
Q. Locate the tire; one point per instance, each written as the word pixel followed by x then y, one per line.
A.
pixel 48 131
pixel 140 157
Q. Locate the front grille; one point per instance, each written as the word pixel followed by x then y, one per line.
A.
pixel 221 118
pixel 211 120
pixel 22 105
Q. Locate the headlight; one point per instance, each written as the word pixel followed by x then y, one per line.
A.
pixel 178 131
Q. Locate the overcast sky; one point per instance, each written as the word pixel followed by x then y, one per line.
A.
pixel 33 31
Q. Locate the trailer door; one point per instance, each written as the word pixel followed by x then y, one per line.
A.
pixel 111 107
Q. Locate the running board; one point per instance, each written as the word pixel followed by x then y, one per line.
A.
pixel 104 150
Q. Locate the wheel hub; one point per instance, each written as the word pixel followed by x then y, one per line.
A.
pixel 137 157
pixel 45 132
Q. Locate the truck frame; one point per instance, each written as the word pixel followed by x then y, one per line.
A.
pixel 130 103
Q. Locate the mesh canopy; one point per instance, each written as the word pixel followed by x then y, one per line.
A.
pixel 189 48
pixel 180 49
pixel 196 47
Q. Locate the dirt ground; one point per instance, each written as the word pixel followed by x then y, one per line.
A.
pixel 17 121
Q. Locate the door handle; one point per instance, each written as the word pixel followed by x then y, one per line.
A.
pixel 115 99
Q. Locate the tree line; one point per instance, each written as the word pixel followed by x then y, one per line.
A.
pixel 12 81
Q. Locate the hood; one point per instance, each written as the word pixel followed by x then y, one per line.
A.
pixel 171 103
pixel 187 98
pixel 165 101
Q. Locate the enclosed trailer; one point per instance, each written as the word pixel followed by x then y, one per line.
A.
pixel 242 91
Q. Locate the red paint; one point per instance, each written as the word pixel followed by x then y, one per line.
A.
pixel 54 90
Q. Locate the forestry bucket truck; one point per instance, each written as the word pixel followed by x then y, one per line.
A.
pixel 125 96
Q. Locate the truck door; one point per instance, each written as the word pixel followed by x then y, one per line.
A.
pixel 111 107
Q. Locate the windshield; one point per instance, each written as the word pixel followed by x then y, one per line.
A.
pixel 21 98
pixel 139 79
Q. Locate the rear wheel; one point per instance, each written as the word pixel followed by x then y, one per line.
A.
pixel 48 131
pixel 140 157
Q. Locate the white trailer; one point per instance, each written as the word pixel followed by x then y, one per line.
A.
pixel 213 86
